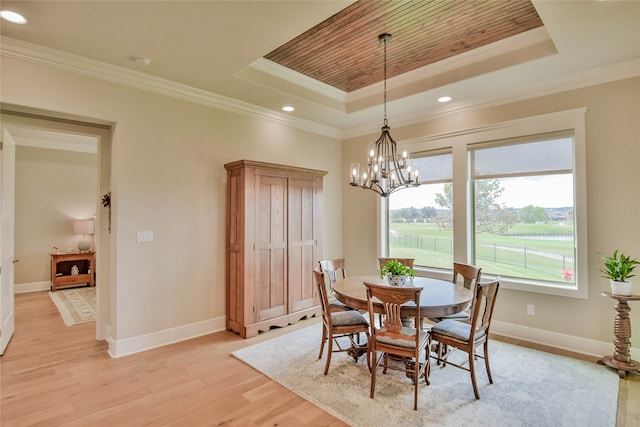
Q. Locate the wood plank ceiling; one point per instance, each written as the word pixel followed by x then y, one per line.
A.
pixel 344 52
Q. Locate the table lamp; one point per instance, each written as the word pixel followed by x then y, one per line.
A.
pixel 84 227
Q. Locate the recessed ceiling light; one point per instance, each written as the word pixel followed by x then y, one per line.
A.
pixel 14 17
pixel 444 99
pixel 288 108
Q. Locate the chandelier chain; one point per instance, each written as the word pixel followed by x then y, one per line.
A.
pixel 385 81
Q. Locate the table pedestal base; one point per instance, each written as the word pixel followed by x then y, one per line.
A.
pixel 357 350
pixel 622 367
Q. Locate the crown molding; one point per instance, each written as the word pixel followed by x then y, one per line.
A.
pixel 12 48
pixel 619 71
pixel 17 49
pixel 299 79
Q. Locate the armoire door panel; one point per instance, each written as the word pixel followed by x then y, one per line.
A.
pixel 302 293
pixel 271 246
pixel 302 240
pixel 272 205
pixel 271 298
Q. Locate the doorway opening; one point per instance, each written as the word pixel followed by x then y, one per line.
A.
pixel 63 171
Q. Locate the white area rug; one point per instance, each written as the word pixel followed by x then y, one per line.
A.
pixel 77 305
pixel 530 388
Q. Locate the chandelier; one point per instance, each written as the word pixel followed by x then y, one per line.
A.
pixel 387 169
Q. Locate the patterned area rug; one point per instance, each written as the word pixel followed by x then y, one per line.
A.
pixel 77 305
pixel 531 388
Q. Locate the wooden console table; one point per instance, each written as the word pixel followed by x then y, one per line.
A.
pixel 62 265
pixel 621 359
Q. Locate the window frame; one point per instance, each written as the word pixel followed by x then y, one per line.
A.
pixel 459 143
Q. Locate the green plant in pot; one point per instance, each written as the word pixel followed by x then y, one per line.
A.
pixel 396 272
pixel 618 268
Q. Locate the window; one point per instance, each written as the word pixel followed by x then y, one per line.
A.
pixel 518 210
pixel 420 218
pixel 523 208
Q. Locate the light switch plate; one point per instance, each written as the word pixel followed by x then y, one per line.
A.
pixel 144 236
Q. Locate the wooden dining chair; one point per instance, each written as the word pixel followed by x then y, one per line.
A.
pixel 394 338
pixel 338 325
pixel 465 336
pixel 468 276
pixel 334 269
pixel 408 262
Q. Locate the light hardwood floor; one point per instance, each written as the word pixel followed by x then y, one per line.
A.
pixel 55 375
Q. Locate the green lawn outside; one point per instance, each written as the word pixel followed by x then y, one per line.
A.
pixel 496 254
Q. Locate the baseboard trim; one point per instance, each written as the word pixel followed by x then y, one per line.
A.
pixel 128 346
pixel 554 339
pixel 125 347
pixel 20 288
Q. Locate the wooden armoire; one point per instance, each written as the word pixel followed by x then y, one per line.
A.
pixel 274 221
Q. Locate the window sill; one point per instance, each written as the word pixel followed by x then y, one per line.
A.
pixel 515 284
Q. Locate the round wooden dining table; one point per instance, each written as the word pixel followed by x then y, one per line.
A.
pixel 438 298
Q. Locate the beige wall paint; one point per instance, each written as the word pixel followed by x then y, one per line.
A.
pixel 613 186
pixel 167 176
pixel 53 188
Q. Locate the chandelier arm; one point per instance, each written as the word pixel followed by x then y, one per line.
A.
pixel 397 167
pixel 380 154
pixel 393 190
pixel 378 189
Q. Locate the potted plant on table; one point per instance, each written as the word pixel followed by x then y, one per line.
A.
pixel 618 268
pixel 396 272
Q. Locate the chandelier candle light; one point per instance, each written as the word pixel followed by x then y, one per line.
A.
pixel 387 169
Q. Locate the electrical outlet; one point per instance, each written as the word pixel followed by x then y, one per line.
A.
pixel 531 309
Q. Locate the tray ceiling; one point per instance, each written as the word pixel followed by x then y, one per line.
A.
pixel 343 51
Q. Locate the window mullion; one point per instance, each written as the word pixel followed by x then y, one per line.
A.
pixel 461 218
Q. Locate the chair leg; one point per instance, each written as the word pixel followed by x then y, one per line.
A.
pixel 442 351
pixel 472 371
pixel 416 371
pixel 486 361
pixel 374 366
pixel 329 353
pixel 324 338
pixel 427 369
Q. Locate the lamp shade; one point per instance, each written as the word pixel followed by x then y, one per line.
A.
pixel 85 226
